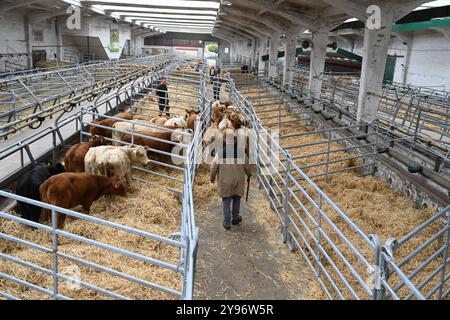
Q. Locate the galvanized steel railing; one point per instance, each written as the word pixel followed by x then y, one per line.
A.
pixel 361 268
pixel 26 101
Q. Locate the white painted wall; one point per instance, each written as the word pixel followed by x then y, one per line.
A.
pixel 100 27
pixel 12 37
pixel 430 60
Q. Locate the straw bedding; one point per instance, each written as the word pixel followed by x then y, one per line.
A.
pixel 148 208
pixel 368 201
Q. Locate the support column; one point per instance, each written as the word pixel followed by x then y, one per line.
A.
pixel 376 43
pixel 233 53
pixel 253 54
pixel 273 54
pixel 262 50
pixel 29 38
pixel 289 54
pixel 59 49
pixel 317 63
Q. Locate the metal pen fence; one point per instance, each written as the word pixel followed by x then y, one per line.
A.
pixel 346 266
pixel 420 115
pixel 26 101
pixel 185 240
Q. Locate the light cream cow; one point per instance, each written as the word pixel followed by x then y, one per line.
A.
pixel 115 161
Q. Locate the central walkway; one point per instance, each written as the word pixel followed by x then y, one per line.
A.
pixel 250 262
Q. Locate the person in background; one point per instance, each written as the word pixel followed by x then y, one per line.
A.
pixel 218 80
pixel 212 73
pixel 163 97
pixel 231 175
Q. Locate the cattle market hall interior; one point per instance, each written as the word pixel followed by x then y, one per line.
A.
pixel 224 149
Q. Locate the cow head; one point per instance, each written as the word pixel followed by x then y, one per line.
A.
pixel 235 119
pixel 178 122
pixel 97 141
pixel 93 129
pixel 56 168
pixel 138 155
pixel 116 187
pixel 183 136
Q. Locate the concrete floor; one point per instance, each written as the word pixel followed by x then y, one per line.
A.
pixel 250 262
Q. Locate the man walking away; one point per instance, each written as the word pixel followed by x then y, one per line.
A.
pixel 231 181
pixel 163 97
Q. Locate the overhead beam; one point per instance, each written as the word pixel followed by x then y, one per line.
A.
pixel 34 18
pixel 246 33
pixel 254 32
pixel 258 27
pixel 355 8
pixel 273 24
pixel 289 14
pixel 234 26
pixel 17 4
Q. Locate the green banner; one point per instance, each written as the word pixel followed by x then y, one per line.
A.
pixel 114 39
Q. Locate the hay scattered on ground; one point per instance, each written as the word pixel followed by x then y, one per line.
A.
pixel 148 208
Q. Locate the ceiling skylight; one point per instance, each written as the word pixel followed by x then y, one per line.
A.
pixel 166 15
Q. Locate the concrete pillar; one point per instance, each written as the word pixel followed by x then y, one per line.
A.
pixel 376 43
pixel 262 50
pixel 233 51
pixel 407 40
pixel 29 39
pixel 273 54
pixel 289 55
pixel 253 54
pixel 317 63
pixel 59 49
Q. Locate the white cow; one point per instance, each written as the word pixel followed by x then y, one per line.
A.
pixel 115 161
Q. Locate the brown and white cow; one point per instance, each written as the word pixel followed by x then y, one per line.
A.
pixel 112 161
pixel 69 190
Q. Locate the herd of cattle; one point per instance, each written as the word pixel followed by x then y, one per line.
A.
pixel 102 167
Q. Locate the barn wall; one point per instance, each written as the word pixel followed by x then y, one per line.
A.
pixel 430 60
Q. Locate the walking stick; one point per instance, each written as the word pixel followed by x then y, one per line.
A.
pixel 248 188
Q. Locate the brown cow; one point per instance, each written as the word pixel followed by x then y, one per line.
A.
pixel 69 190
pixel 218 113
pixel 191 118
pixel 175 136
pixel 74 157
pixel 97 131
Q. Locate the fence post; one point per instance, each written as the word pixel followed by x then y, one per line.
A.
pixel 379 268
pixel 445 256
pixel 328 157
pixel 55 252
pixel 384 273
pixel 319 225
pixel 287 210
